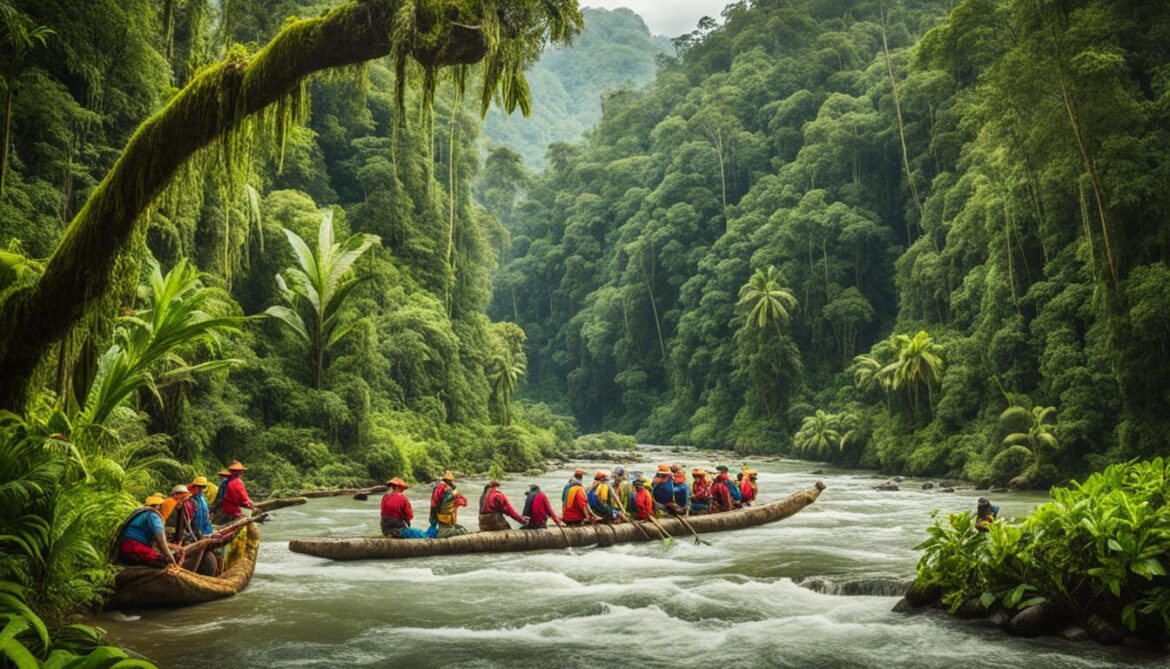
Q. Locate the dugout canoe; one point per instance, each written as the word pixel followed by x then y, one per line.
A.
pixel 381 548
pixel 279 503
pixel 145 587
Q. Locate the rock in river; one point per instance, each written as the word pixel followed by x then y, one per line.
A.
pixel 888 486
pixel 1039 620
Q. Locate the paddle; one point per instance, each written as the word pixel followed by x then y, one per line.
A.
pixel 565 536
pixel 662 530
pixel 687 524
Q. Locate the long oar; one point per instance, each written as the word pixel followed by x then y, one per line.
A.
pixel 565 535
pixel 661 529
pixel 639 526
pixel 687 524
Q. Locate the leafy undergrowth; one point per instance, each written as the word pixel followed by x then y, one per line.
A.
pixel 1099 547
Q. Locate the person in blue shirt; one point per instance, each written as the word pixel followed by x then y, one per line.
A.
pixel 142 538
pixel 200 514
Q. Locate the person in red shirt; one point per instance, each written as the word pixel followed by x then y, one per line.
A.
pixel 396 510
pixel 748 488
pixel 641 504
pixel 538 509
pixel 493 507
pixel 235 498
pixel 721 494
pixel 576 510
pixel 700 491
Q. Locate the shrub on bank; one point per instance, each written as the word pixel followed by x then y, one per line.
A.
pixel 604 441
pixel 1099 548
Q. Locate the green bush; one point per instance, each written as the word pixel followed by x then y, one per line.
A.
pixel 1010 463
pixel 1099 547
pixel 604 441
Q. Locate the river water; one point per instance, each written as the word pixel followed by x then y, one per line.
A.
pixel 815 589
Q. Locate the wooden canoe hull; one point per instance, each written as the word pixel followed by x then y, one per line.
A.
pixel 279 503
pixel 381 548
pixel 145 587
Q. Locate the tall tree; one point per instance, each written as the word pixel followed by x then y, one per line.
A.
pixel 768 302
pixel 20 36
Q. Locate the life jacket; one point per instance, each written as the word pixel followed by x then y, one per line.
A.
pixel 599 497
pixel 570 512
pixel 701 490
pixel 682 494
pixel 664 490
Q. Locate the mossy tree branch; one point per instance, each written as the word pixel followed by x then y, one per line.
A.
pixel 208 109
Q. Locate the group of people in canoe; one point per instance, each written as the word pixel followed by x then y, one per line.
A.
pixel 614 497
pixel 179 529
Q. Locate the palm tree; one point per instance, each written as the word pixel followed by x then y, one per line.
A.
pixel 919 363
pixel 317 287
pixel 770 304
pixel 1039 430
pixel 504 373
pixel 19 36
pixel 819 434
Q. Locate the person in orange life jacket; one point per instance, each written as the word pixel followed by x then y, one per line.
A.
pixel 235 498
pixel 700 491
pixel 748 488
pixel 682 492
pixel 602 500
pixel 722 498
pixel 445 503
pixel 142 539
pixel 493 507
pixel 538 509
pixel 179 493
pixel 576 479
pixel 575 509
pixel 641 503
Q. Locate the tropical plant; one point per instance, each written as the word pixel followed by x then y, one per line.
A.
pixel 19 37
pixel 315 290
pixel 504 373
pixel 919 364
pixel 768 302
pixel 819 434
pixel 1038 435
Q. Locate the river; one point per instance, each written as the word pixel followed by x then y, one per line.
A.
pixel 813 590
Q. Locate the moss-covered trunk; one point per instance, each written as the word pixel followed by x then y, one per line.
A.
pixel 33 319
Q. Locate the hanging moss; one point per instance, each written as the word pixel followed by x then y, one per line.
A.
pixel 221 110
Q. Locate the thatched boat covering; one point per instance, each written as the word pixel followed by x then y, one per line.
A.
pixel 279 503
pixel 144 587
pixel 380 548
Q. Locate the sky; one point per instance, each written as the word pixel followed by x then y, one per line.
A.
pixel 667 17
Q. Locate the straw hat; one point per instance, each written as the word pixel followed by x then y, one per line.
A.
pixel 180 490
pixel 663 469
pixel 154 500
pixel 224 473
pixel 200 481
pixel 449 476
pixel 235 466
pixel 697 472
pixel 397 482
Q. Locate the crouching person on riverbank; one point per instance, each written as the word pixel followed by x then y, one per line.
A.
pixel 397 513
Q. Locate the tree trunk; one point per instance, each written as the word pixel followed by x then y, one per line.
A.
pixel 901 127
pixel 217 102
pixel 9 94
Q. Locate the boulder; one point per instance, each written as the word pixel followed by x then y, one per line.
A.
pixel 1074 633
pixel 818 472
pixel 1000 618
pixel 361 497
pixel 1039 620
pixel 972 608
pixel 919 595
pixel 929 485
pixel 887 486
pixel 904 606
pixel 995 490
pixel 1104 631
pixel 946 489
pixel 898 479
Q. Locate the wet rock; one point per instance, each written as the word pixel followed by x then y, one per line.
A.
pixel 995 490
pixel 1104 631
pixel 1074 633
pixel 929 485
pixel 1000 618
pixel 887 486
pixel 1039 620
pixel 946 489
pixel 922 595
pixel 819 472
pixel 904 606
pixel 898 479
pixel 361 497
pixel 972 608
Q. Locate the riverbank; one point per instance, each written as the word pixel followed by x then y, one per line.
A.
pixel 816 588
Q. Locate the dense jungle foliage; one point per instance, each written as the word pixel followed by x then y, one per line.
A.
pixel 307 296
pixel 614 50
pixel 929 237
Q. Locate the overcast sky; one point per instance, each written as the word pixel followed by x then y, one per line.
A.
pixel 667 17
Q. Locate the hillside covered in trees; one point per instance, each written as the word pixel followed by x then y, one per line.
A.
pixel 927 237
pixel 614 50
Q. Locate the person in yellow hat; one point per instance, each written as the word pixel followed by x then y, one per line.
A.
pixel 142 538
pixel 445 503
pixel 235 497
pixel 197 507
pixel 748 488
